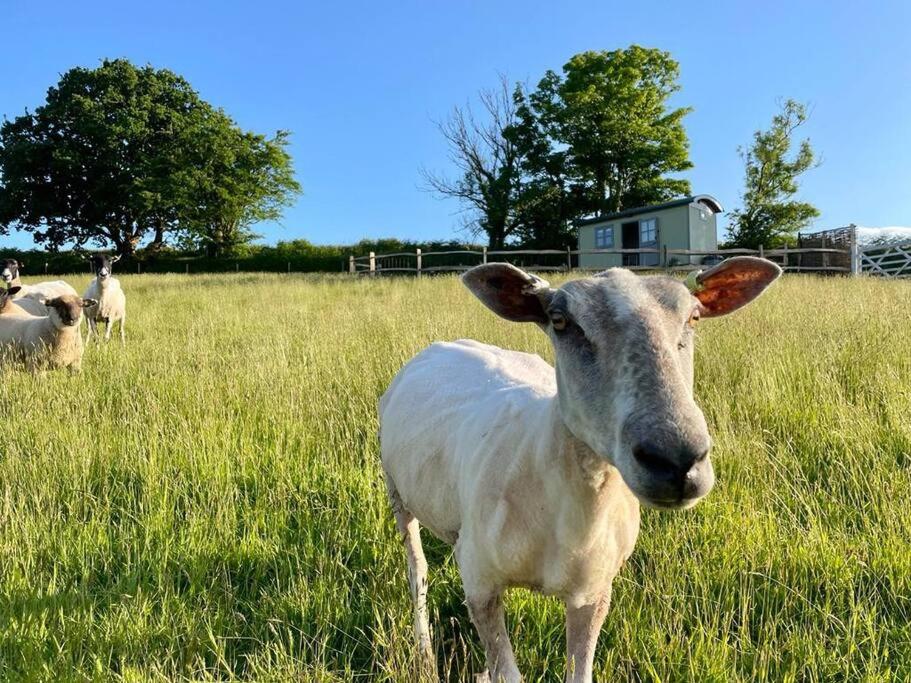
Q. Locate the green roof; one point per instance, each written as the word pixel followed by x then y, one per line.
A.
pixel 706 199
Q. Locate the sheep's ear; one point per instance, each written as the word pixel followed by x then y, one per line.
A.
pixel 21 264
pixel 732 284
pixel 509 292
pixel 13 290
pixel 115 258
pixel 50 302
pixel 87 303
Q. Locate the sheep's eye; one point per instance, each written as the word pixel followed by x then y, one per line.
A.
pixel 694 318
pixel 558 320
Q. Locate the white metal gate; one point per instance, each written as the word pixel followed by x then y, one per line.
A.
pixel 893 260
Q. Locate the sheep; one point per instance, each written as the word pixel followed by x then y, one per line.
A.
pixel 51 341
pixel 7 305
pixel 112 302
pixel 32 297
pixel 535 474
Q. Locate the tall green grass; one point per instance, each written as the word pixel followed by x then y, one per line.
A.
pixel 207 503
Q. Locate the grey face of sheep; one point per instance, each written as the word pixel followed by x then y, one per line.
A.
pixel 66 311
pixel 102 265
pixel 624 362
pixel 10 269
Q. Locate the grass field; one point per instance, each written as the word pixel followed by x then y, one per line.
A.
pixel 207 504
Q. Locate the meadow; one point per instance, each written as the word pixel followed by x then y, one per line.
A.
pixel 207 503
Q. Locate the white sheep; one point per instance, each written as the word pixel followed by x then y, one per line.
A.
pixel 31 298
pixel 535 474
pixel 112 302
pixel 50 341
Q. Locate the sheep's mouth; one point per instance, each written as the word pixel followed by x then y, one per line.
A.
pixel 7 277
pixel 678 504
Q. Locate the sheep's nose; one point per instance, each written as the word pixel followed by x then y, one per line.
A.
pixel 665 464
pixel 654 459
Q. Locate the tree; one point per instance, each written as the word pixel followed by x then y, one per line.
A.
pixel 114 157
pixel 488 162
pixel 769 216
pixel 238 179
pixel 608 122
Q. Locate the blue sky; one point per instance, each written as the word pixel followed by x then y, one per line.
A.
pixel 360 85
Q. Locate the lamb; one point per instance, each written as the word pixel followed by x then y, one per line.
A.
pixel 536 474
pixel 112 302
pixel 51 341
pixel 31 298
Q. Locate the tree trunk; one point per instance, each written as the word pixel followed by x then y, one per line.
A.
pixel 157 243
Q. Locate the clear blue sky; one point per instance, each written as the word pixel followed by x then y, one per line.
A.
pixel 359 85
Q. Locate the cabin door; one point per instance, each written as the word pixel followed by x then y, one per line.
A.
pixel 630 240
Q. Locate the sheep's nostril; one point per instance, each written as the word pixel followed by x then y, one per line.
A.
pixel 650 457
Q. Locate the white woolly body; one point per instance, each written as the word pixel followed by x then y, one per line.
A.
pixel 44 290
pixel 112 302
pixel 41 341
pixel 471 437
pixel 31 298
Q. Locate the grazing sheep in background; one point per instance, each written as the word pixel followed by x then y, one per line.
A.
pixel 112 302
pixel 32 297
pixel 52 341
pixel 535 474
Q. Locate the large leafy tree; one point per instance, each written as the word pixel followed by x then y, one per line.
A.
pixel 237 179
pixel 770 216
pixel 115 156
pixel 608 124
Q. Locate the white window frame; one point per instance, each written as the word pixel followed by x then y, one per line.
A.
pixel 604 237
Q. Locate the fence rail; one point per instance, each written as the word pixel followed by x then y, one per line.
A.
pixel 813 259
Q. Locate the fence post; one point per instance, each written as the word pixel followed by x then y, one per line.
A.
pixel 45 267
pixel 664 256
pixel 569 259
pixel 761 251
pixel 237 266
pixel 289 267
pixel 483 254
pixel 856 268
pixel 351 268
pixel 188 267
pixel 138 268
pixel 417 255
pixel 372 263
pixel 825 256
pixel 785 257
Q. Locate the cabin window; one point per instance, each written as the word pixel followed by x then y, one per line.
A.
pixel 604 237
pixel 648 230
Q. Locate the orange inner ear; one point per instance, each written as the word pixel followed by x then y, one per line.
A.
pixel 731 288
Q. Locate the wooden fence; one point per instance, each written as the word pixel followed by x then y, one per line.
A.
pixel 815 259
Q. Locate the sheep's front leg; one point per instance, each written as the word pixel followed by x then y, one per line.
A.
pixel 488 616
pixel 91 322
pixel 123 335
pixel 583 625
pixel 107 329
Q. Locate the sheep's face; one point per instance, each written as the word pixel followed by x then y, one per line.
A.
pixel 66 311
pixel 10 270
pixel 102 265
pixel 624 363
pixel 6 296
